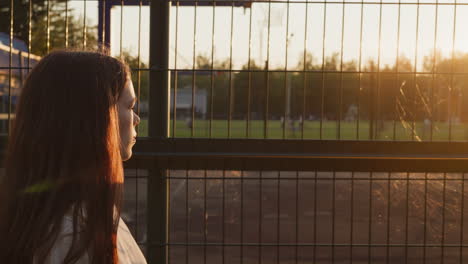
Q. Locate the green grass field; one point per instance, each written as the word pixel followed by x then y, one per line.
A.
pixel 347 131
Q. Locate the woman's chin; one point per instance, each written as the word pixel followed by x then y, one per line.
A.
pixel 126 155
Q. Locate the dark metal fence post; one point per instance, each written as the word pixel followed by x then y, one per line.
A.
pixel 158 220
pixel 104 21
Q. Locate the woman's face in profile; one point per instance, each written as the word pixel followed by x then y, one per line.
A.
pixel 128 120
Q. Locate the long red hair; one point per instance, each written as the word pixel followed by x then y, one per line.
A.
pixel 63 156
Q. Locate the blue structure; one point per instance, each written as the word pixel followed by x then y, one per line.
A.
pixel 14 67
pixel 17 44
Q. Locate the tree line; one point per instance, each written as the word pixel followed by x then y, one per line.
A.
pixel 314 90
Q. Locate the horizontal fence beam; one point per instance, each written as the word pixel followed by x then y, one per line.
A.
pixel 243 3
pixel 300 155
pixel 397 245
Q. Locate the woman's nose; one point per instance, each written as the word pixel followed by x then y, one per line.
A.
pixel 136 119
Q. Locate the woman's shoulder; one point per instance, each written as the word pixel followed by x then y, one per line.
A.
pixel 128 250
pixel 63 244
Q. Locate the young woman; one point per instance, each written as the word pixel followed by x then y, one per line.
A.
pixel 61 193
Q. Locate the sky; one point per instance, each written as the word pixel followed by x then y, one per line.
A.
pixel 418 30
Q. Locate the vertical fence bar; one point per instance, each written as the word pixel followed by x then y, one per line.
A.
pixel 322 93
pixel 176 73
pixel 106 22
pixel 102 16
pixel 187 251
pixel 249 67
pixel 101 24
pixel 333 216
pixel 287 87
pixel 212 71
pixel 452 67
pixel 30 33
pixel 260 216
pixel 223 217
pixel 168 237
pixel 360 71
pixel 407 217
pixel 377 94
pixel 369 248
pixel 413 94
pixel 296 255
pixel 425 218
pixel 10 63
pixel 121 27
pixel 230 92
pixel 84 23
pixel 205 230
pixel 192 116
pixel 397 62
pixel 389 189
pixel 66 23
pixel 462 217
pixel 158 192
pixel 48 26
pixel 304 72
pixel 158 216
pixel 249 87
pixel 139 60
pixel 278 221
pixel 267 68
pixel 242 217
pixel 442 242
pixel 351 231
pixel 340 93
pixel 136 203
pixel 314 248
pixel 432 109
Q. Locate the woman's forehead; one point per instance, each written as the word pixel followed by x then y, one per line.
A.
pixel 128 93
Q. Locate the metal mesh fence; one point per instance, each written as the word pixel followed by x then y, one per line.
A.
pixel 316 217
pixel 284 70
pixel 355 70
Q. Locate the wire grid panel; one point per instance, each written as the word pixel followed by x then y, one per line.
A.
pixel 360 70
pixel 134 211
pixel 316 217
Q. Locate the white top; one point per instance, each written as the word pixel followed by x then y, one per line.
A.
pixel 128 250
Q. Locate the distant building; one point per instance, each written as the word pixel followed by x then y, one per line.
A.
pixel 17 43
pixel 18 68
pixel 15 62
pixel 184 102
